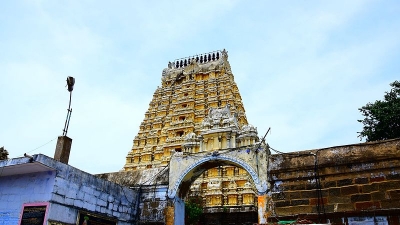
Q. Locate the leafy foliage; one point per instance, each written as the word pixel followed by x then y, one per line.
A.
pixel 193 211
pixel 382 118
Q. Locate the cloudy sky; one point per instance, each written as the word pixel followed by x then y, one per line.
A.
pixel 303 68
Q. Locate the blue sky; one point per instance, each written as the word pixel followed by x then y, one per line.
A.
pixel 303 68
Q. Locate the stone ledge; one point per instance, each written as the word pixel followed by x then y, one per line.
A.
pixel 348 154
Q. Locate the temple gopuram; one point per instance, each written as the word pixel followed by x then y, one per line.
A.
pixel 198 108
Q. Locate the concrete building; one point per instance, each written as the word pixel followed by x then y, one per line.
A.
pixel 40 190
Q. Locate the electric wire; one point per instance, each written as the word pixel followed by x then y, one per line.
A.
pixel 2 168
pixel 39 146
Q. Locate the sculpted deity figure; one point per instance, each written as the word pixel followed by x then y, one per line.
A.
pixel 170 65
pixel 220 116
pixel 190 136
pixel 224 54
pixel 152 132
pixel 164 74
pixel 205 123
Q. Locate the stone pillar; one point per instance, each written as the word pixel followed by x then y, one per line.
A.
pixel 262 209
pixel 179 211
pixel 201 144
pixel 228 144
pixel 233 141
pixel 169 215
pixel 216 143
pixel 63 148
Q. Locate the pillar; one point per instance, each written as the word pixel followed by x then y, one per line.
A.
pixel 205 144
pixel 228 144
pixel 63 148
pixel 179 211
pixel 262 209
pixel 174 213
pixel 169 215
pixel 216 143
pixel 201 144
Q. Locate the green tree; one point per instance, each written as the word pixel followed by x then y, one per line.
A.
pixel 193 211
pixel 382 118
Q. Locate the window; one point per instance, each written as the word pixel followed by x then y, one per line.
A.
pixel 95 219
pixel 34 214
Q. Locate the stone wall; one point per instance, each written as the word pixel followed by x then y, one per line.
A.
pixel 151 185
pixel 84 191
pixel 337 183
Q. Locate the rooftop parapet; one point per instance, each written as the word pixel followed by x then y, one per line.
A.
pixel 200 59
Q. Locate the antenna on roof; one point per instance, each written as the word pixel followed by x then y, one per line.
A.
pixel 70 84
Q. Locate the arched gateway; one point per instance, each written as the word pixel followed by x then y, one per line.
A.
pixel 185 168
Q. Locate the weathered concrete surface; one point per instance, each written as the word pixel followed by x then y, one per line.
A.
pixel 63 149
pixel 169 215
pixel 153 201
pixel 262 209
pixel 17 190
pixel 154 176
pixel 151 185
pixel 353 179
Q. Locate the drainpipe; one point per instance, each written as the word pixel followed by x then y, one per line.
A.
pixel 138 204
pixel 320 202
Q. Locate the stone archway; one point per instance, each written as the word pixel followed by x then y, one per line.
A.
pixel 185 168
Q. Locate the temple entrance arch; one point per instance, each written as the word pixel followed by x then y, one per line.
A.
pixel 185 168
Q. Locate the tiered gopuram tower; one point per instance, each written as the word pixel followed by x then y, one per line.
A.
pixel 197 108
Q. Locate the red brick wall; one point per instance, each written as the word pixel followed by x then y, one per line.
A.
pixel 355 180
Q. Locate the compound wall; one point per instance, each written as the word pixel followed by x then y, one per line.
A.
pixel 349 184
